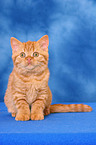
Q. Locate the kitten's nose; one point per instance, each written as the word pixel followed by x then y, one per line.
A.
pixel 29 59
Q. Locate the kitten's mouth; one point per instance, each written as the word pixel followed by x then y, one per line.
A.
pixel 31 68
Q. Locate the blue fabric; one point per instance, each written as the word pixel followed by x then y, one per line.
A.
pixel 56 129
pixel 71 27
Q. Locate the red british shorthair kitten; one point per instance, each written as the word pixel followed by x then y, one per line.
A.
pixel 28 95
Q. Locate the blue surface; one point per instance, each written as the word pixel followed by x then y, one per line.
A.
pixel 71 27
pixel 57 128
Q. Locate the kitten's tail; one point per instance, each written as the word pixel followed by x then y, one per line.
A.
pixel 70 108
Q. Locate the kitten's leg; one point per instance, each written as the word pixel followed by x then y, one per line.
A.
pixel 23 111
pixel 43 101
pixel 37 109
pixel 9 103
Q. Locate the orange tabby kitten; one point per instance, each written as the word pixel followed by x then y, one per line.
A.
pixel 28 95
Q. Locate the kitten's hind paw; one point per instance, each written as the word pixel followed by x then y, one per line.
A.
pixel 47 111
pixel 13 114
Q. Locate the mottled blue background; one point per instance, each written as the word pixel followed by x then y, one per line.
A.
pixel 71 26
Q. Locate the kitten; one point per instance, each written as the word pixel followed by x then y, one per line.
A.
pixel 28 95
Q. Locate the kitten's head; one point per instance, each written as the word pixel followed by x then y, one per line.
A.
pixel 30 56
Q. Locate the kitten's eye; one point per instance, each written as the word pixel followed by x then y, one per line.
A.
pixel 35 54
pixel 22 54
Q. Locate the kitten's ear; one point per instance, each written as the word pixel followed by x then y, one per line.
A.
pixel 44 42
pixel 15 44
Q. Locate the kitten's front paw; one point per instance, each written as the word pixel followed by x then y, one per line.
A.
pixel 22 117
pixel 37 116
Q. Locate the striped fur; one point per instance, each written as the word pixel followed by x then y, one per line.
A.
pixel 28 95
pixel 70 108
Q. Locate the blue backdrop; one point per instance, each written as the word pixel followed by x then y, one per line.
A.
pixel 71 27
